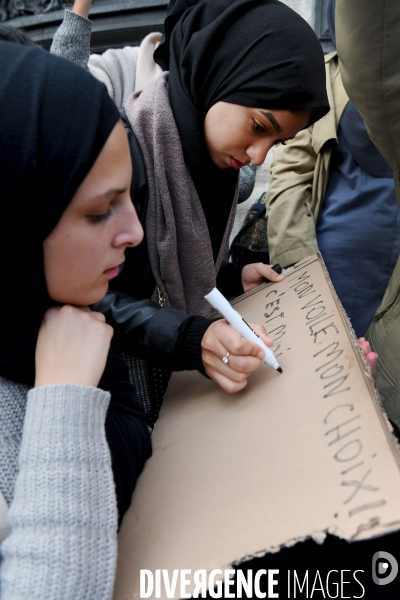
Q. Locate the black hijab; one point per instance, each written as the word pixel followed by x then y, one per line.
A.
pixel 55 119
pixel 257 53
pixel 175 10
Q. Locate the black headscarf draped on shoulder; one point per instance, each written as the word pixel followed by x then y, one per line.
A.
pixel 55 120
pixel 257 53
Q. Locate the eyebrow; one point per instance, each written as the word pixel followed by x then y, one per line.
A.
pixel 109 193
pixel 272 120
pixel 104 196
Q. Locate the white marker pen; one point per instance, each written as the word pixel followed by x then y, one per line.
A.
pixel 235 320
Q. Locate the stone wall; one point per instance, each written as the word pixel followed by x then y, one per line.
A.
pixel 117 23
pixel 11 9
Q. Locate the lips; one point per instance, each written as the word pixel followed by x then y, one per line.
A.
pixel 235 164
pixel 113 271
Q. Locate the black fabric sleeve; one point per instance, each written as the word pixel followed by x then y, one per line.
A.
pixel 187 353
pixel 229 280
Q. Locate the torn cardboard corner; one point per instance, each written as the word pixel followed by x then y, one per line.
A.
pixel 291 456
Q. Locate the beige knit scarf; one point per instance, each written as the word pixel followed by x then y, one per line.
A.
pixel 178 241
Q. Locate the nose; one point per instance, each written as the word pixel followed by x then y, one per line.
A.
pixel 258 152
pixel 130 231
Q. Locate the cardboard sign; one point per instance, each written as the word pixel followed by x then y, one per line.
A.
pixel 293 455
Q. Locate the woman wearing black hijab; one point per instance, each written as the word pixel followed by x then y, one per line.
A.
pixel 243 75
pixel 72 437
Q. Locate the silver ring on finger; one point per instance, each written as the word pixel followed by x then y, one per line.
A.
pixel 225 359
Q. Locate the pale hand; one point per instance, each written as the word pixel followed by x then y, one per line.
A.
pixel 245 356
pixel 72 346
pixel 371 357
pixel 256 273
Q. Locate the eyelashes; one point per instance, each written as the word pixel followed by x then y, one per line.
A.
pixel 258 128
pixel 100 218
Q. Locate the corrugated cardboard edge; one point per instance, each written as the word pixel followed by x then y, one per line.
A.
pixel 377 402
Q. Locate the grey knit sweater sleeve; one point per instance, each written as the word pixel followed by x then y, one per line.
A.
pixel 116 67
pixel 63 517
pixel 72 39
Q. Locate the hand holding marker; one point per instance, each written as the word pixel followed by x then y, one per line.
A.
pixel 235 320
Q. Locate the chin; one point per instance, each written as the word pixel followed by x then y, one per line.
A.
pixel 93 298
pixel 221 165
pixel 218 160
pixel 84 299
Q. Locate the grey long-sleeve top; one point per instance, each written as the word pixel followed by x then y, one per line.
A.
pixel 56 477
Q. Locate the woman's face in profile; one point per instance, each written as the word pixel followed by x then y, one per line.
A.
pixel 238 135
pixel 86 248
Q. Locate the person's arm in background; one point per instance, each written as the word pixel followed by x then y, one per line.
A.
pixel 72 38
pixel 291 222
pixel 367 39
pixel 300 172
pixel 122 70
pixel 367 45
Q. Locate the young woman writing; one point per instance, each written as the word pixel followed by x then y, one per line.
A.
pixel 244 75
